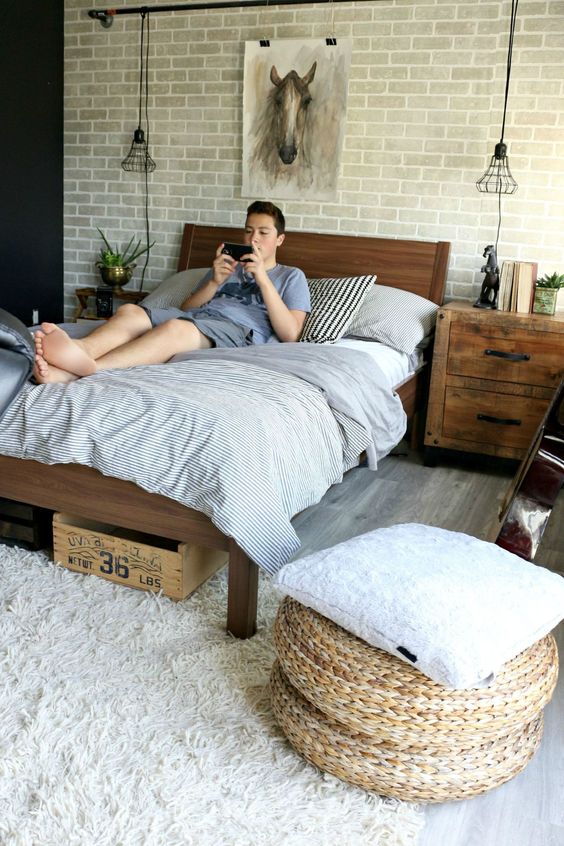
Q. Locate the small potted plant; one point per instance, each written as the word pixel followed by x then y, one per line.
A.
pixel 116 266
pixel 546 292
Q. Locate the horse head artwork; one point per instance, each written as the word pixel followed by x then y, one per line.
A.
pixel 280 127
pixel 291 99
pixel 294 118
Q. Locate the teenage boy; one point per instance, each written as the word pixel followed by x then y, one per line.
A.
pixel 237 303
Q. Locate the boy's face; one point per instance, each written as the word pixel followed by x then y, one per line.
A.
pixel 261 232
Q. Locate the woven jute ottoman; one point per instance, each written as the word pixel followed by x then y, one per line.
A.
pixel 370 719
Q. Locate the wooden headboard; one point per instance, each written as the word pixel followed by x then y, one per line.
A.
pixel 418 266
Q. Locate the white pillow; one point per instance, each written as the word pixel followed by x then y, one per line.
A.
pixel 172 291
pixel 394 317
pixel 455 607
pixel 334 303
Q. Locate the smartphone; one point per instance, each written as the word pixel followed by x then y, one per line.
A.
pixel 237 250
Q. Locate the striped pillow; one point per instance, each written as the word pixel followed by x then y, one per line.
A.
pixel 400 319
pixel 334 303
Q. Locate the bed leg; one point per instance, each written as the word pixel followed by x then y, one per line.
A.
pixel 415 433
pixel 242 593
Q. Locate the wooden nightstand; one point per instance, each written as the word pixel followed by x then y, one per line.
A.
pixel 493 376
pixel 82 295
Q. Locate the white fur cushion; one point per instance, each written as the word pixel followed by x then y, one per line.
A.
pixel 455 607
pixel 173 291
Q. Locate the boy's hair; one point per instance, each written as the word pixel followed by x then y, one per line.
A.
pixel 263 207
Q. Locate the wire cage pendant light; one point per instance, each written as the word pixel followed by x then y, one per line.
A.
pixel 138 159
pixel 498 178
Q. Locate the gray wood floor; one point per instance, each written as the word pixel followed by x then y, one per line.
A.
pixel 462 496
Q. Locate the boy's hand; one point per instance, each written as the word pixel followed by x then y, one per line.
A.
pixel 254 263
pixel 223 266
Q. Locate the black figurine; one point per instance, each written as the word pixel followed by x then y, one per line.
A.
pixel 490 285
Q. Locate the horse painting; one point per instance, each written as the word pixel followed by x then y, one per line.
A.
pixel 281 126
pixel 294 115
pixel 290 101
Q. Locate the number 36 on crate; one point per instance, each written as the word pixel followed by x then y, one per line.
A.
pixel 132 559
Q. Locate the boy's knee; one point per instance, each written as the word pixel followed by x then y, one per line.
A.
pixel 184 334
pixel 179 328
pixel 130 310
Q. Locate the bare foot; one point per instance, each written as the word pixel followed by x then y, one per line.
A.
pixel 45 373
pixel 56 348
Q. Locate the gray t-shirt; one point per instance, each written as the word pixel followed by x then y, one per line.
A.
pixel 239 299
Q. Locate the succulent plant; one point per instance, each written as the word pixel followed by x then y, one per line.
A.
pixel 110 257
pixel 554 280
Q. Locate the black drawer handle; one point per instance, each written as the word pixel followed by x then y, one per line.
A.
pixel 509 356
pixel 505 421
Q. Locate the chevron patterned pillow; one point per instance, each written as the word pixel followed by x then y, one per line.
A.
pixel 334 303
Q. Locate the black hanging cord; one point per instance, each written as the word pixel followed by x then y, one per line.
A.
pixel 331 41
pixel 498 220
pixel 147 227
pixel 138 160
pixel 514 4
pixel 265 42
pixel 142 61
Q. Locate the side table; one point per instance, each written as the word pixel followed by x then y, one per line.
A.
pixel 82 295
pixel 494 374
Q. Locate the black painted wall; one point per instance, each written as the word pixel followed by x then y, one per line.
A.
pixel 31 159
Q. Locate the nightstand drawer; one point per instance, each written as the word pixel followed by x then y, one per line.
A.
pixel 491 418
pixel 519 356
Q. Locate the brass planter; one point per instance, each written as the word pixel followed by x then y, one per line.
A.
pixel 116 277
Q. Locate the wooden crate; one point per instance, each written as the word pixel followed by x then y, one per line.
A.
pixel 145 562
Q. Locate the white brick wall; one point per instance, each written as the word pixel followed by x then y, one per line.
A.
pixel 424 113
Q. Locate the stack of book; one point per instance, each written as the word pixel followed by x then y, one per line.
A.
pixel 517 286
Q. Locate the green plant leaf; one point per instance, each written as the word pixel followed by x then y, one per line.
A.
pixel 105 240
pixel 139 252
pixel 125 250
pixel 111 257
pixel 553 280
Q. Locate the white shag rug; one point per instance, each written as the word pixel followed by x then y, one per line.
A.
pixel 127 719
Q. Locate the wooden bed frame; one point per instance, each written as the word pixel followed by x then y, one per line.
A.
pixel 418 266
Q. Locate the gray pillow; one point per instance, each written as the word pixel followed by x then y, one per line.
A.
pixel 394 317
pixel 17 355
pixel 173 291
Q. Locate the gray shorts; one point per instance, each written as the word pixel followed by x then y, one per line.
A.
pixel 221 332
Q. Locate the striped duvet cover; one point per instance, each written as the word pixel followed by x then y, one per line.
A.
pixel 250 437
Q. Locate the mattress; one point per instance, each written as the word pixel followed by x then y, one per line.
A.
pixel 395 365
